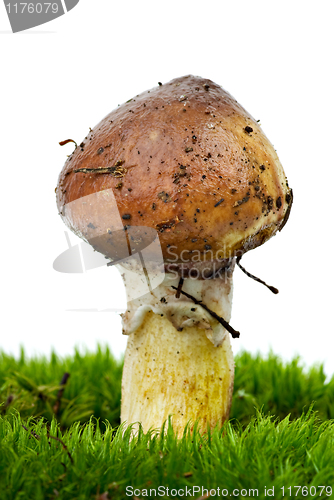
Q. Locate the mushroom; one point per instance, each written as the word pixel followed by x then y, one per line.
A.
pixel 188 162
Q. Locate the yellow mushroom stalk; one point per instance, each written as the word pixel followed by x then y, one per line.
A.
pixel 179 359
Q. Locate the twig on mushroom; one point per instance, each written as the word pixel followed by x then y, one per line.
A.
pixel 271 288
pixel 235 334
pixel 116 171
pixel 179 288
pixel 62 143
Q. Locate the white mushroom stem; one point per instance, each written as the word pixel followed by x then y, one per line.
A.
pixel 178 359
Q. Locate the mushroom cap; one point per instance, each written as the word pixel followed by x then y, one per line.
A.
pixel 186 160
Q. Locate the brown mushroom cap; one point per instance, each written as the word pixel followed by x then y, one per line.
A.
pixel 188 161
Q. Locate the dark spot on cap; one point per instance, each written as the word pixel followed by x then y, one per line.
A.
pixel 100 151
pixel 248 129
pixel 188 150
pixel 240 202
pixel 126 216
pixel 164 197
pixel 91 226
pixel 279 202
pixel 219 202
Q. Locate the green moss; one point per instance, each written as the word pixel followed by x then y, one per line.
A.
pixel 84 463
pixel 94 387
pixel 80 452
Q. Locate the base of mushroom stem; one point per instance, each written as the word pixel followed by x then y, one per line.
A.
pixel 182 374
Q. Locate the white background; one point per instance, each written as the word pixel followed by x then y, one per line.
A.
pixel 275 58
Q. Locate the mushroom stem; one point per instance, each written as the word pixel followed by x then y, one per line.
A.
pixel 178 359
